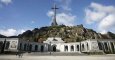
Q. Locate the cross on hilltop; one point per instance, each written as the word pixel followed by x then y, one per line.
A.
pixel 54 22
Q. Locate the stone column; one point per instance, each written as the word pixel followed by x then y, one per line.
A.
pixel 74 48
pixel 69 48
pixel 85 47
pixel 109 46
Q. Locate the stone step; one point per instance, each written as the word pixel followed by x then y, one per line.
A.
pixel 54 54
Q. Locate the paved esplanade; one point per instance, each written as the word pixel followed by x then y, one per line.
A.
pixel 86 57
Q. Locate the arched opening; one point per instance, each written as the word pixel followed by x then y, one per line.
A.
pixel 25 46
pixel 83 47
pixel 7 45
pixel 30 47
pixel 66 48
pixel 54 48
pixel 1 45
pixel 20 46
pixel 72 48
pixel 100 46
pixel 87 46
pixel 106 47
pixel 42 48
pixel 36 47
pixel 77 48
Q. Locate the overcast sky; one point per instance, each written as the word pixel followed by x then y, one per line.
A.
pixel 17 16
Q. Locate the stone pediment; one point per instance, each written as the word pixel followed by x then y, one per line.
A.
pixel 54 40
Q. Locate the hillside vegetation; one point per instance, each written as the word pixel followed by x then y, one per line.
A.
pixel 68 34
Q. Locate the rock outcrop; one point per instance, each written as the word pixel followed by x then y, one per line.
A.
pixel 68 34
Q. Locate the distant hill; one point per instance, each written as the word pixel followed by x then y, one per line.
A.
pixel 12 37
pixel 68 34
pixel 2 36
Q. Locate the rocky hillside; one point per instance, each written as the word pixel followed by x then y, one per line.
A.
pixel 68 34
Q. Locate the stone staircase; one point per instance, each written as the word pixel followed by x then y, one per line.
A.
pixel 54 54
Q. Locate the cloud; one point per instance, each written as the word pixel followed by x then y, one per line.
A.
pixel 107 23
pixel 65 17
pixel 102 15
pixel 8 32
pixel 20 31
pixel 50 13
pixel 102 8
pixel 6 2
pixel 65 4
pixel 32 22
pixel 93 16
pixel 11 32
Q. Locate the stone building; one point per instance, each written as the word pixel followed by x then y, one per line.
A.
pixel 56 44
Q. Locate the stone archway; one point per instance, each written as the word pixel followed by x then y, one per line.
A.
pixel 54 48
pixel 36 47
pixel 83 47
pixel 77 48
pixel 66 48
pixel 42 48
pixel 7 45
pixel 87 46
pixel 20 47
pixel 30 48
pixel 106 47
pixel 100 46
pixel 25 46
pixel 1 45
pixel 72 48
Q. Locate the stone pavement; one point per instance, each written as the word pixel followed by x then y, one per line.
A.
pixel 87 57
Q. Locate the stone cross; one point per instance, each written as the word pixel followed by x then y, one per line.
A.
pixel 54 23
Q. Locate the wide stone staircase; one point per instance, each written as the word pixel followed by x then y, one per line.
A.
pixel 54 54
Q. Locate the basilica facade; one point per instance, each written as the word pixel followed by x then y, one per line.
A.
pixel 56 44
